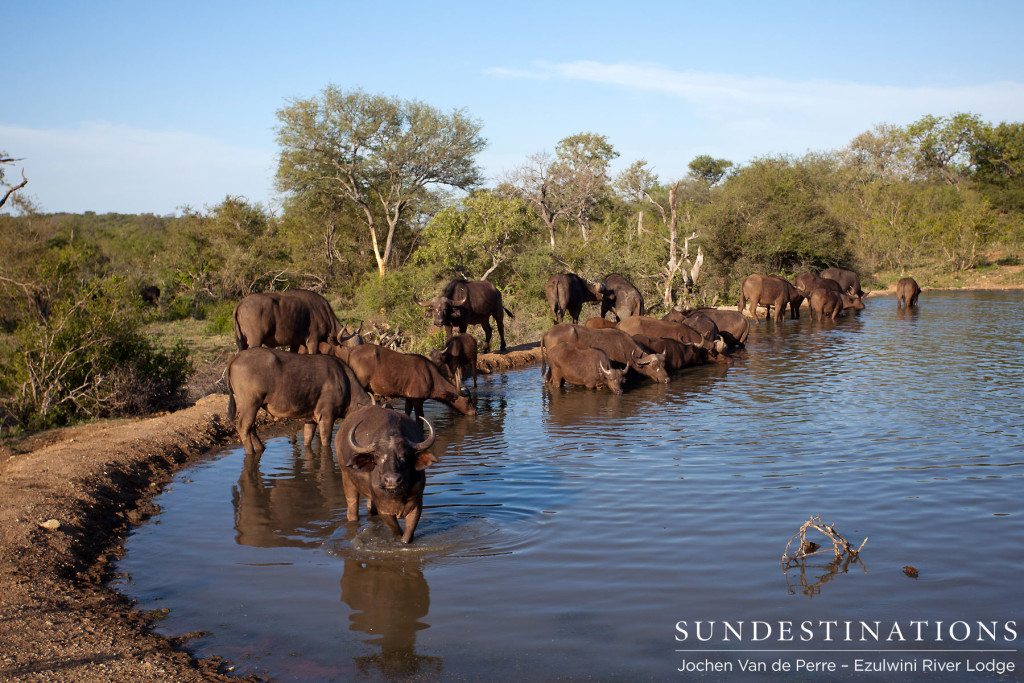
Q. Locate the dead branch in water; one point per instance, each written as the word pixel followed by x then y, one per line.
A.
pixel 840 546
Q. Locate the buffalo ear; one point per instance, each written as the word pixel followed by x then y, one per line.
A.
pixel 363 462
pixel 424 460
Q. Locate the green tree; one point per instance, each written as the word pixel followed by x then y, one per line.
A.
pixel 708 169
pixel 485 232
pixel 943 145
pixel 959 225
pixel 534 182
pixel 381 153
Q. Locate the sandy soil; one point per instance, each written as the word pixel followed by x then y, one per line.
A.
pixel 66 505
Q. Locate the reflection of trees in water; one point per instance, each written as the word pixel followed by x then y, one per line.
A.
pixel 300 509
pixel 811 587
pixel 388 599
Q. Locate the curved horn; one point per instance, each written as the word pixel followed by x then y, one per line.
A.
pixel 427 442
pixel 607 373
pixel 462 299
pixel 356 448
pixel 415 300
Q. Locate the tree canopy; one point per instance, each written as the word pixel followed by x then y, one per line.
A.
pixel 383 154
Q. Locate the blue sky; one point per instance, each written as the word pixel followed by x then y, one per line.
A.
pixel 150 106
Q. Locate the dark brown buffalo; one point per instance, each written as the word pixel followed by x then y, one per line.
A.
pixel 653 327
pixel 847 279
pixel 707 327
pixel 770 290
pixel 407 375
pixel 151 295
pixel 907 291
pixel 677 354
pixel 621 298
pixel 807 282
pixel 459 353
pixel 596 323
pixel 317 388
pixel 825 302
pixel 468 302
pixel 382 457
pixel 586 367
pixel 621 348
pixel 567 292
pixel 296 318
pixel 732 325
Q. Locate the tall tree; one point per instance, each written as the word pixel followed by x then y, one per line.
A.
pixel 581 173
pixel 708 169
pixel 943 145
pixel 381 153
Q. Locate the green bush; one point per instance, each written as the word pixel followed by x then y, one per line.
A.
pixel 88 358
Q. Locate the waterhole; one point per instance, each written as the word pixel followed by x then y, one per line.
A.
pixel 576 534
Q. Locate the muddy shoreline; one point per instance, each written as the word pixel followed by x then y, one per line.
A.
pixel 66 507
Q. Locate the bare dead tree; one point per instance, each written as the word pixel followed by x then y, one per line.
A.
pixel 534 182
pixel 11 189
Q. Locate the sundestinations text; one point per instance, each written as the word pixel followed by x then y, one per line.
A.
pixel 847 631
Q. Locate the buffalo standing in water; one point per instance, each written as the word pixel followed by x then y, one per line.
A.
pixel 907 291
pixel 318 388
pixel 382 458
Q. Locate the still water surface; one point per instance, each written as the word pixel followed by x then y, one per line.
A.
pixel 567 533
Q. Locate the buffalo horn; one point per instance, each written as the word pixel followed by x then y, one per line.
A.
pixel 608 373
pixel 462 299
pixel 417 301
pixel 427 442
pixel 356 448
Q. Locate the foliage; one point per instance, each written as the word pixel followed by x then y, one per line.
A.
pixel 476 238
pixel 960 225
pixel 87 358
pixel 775 216
pixel 382 154
pixel 709 170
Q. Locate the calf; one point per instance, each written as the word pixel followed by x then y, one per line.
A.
pixel 827 302
pixel 318 388
pixel 382 457
pixel 590 368
pixel 408 375
pixel 457 354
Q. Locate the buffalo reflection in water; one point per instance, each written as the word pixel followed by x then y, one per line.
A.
pixel 389 598
pixel 301 508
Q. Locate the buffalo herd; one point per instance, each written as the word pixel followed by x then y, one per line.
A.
pixel 330 374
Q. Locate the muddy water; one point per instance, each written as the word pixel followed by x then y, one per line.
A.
pixel 575 534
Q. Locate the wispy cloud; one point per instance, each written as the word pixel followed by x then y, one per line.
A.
pixel 717 92
pixel 102 167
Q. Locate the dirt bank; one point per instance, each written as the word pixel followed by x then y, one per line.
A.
pixel 66 506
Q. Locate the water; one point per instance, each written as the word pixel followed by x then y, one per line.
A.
pixel 568 534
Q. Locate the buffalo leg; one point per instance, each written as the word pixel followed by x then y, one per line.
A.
pixel 245 424
pixel 308 433
pixel 351 497
pixel 414 406
pixel 411 520
pixel 392 523
pixel 499 322
pixel 487 336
